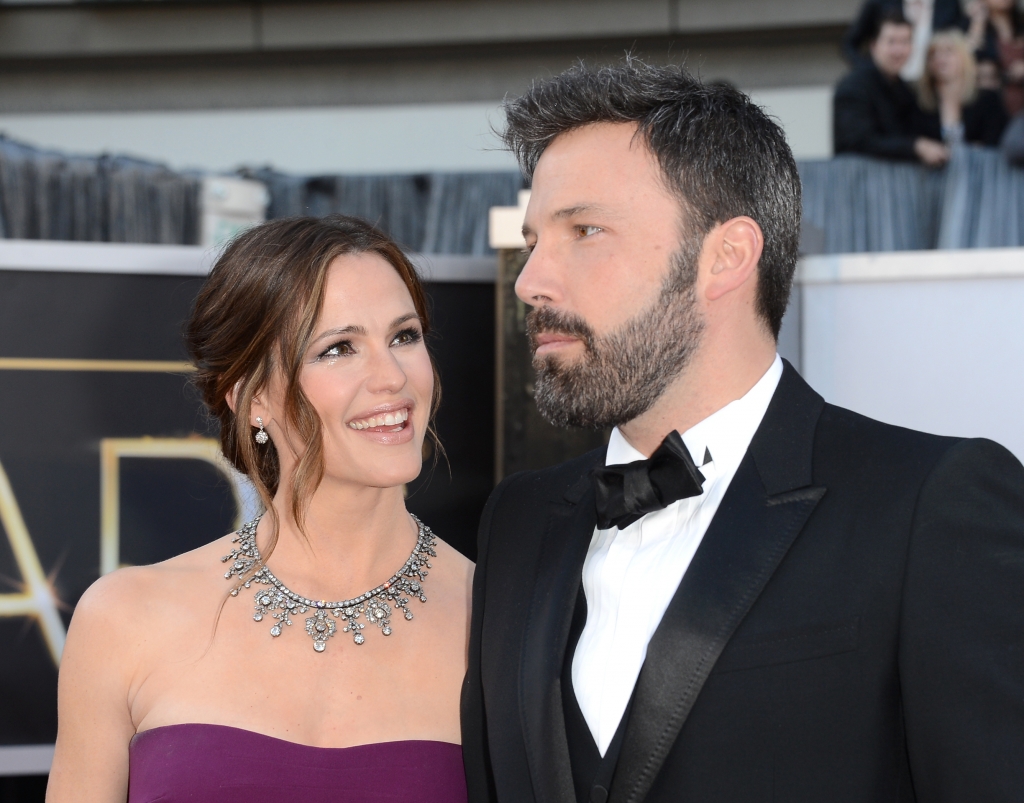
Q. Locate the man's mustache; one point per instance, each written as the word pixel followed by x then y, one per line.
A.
pixel 545 320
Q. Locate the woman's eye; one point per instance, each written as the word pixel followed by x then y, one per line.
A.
pixel 335 351
pixel 407 336
pixel 586 231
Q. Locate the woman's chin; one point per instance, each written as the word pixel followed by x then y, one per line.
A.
pixel 392 472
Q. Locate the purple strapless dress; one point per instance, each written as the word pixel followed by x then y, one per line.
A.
pixel 220 764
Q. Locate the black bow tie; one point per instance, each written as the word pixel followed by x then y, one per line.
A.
pixel 629 491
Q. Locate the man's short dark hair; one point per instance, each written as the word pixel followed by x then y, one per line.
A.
pixel 883 17
pixel 720 154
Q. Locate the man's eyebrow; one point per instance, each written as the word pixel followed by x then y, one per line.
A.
pixel 579 209
pixel 569 212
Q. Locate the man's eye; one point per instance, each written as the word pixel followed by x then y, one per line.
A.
pixel 586 231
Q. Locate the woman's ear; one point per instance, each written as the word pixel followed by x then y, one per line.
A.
pixel 232 396
pixel 255 409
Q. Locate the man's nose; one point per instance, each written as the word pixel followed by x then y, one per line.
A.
pixel 538 283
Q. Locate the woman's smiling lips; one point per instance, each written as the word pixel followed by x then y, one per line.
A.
pixel 386 423
pixel 552 341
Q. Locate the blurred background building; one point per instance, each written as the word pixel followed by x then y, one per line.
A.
pixel 388 86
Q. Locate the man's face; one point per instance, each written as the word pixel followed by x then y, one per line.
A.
pixel 609 275
pixel 891 49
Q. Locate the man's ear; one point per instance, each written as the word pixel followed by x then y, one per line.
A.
pixel 735 250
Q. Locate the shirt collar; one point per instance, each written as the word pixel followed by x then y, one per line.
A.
pixel 726 433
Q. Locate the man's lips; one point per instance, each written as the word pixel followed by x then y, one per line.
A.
pixel 551 341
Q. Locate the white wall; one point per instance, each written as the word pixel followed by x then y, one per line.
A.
pixel 806 115
pixel 927 340
pixel 354 139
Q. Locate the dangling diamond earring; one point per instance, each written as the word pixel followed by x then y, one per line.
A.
pixel 261 437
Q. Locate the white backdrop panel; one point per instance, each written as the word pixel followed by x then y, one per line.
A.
pixel 940 355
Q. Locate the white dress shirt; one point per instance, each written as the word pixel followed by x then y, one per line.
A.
pixel 630 575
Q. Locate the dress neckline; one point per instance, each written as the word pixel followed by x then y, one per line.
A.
pixel 256 734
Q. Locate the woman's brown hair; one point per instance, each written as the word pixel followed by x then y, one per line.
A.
pixel 255 314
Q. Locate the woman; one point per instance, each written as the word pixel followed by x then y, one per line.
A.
pixel 308 338
pixel 956 110
pixel 997 31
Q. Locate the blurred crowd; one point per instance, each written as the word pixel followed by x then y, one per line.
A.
pixel 930 74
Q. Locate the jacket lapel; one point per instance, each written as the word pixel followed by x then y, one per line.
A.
pixel 766 506
pixel 569 529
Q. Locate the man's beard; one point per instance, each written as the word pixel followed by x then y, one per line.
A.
pixel 621 375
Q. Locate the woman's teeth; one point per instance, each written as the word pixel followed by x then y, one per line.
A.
pixel 396 418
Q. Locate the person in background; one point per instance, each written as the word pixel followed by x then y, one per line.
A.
pixel 957 109
pixel 926 17
pixel 876 111
pixel 997 33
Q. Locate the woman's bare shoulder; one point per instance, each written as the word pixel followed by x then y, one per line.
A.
pixel 134 597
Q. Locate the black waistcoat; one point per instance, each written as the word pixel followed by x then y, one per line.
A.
pixel 591 774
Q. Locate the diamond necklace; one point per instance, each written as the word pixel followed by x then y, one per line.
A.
pixel 377 605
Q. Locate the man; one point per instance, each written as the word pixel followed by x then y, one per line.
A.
pixel 926 17
pixel 874 111
pixel 786 601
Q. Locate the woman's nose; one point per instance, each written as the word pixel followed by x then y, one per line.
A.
pixel 386 374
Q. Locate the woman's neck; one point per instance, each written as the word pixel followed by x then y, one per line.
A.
pixel 352 537
pixel 950 95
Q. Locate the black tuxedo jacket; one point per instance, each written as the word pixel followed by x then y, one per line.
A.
pixel 850 629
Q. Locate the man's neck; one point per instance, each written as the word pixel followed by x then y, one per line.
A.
pixel 710 382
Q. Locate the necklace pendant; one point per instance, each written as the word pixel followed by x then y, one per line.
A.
pixel 321 628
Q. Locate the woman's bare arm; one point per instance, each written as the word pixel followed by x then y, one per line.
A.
pixel 94 719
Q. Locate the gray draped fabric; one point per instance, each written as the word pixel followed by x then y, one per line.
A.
pixel 396 204
pixel 52 196
pixel 863 204
pixel 457 212
pixel 858 204
pixel 438 213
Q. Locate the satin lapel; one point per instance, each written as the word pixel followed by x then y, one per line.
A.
pixel 748 538
pixel 570 527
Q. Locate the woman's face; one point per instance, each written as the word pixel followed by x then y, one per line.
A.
pixel 945 62
pixel 368 376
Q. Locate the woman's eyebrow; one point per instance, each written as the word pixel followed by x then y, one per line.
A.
pixel 344 330
pixel 355 329
pixel 412 316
